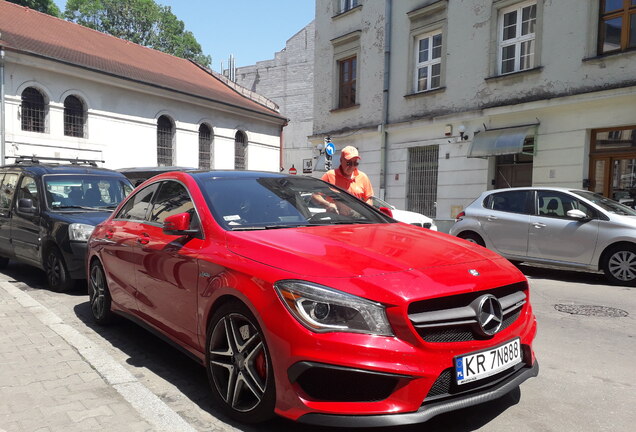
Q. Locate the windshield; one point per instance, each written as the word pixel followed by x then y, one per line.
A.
pixel 252 203
pixel 606 204
pixel 85 191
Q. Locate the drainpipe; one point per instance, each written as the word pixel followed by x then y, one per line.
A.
pixel 281 167
pixel 385 99
pixel 2 106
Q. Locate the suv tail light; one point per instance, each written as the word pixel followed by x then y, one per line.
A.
pixel 460 216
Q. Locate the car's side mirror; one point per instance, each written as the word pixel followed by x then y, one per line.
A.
pixel 178 224
pixel 387 211
pixel 577 214
pixel 25 205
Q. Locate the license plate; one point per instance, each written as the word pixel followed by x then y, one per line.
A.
pixel 482 364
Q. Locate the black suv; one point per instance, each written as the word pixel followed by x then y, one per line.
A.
pixel 48 211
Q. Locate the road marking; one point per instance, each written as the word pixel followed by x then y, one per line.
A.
pixel 147 404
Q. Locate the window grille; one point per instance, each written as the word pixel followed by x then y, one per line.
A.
pixel 164 141
pixel 240 145
pixel 32 110
pixel 73 117
pixel 205 147
pixel 347 81
pixel 422 184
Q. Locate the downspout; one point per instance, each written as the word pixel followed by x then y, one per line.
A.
pixel 384 156
pixel 2 106
pixel 281 166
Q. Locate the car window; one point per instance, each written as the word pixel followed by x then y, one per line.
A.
pixel 7 190
pixel 557 204
pixel 137 206
pixel 85 190
pixel 28 190
pixel 606 204
pixel 509 201
pixel 172 198
pixel 249 203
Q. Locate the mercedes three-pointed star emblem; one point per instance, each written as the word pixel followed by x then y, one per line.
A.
pixel 489 315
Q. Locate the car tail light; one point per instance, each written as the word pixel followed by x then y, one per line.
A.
pixel 460 216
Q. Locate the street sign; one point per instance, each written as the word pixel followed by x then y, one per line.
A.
pixel 330 149
pixel 293 170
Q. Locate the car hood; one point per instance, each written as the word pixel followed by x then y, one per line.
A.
pixel 410 217
pixel 82 216
pixel 347 251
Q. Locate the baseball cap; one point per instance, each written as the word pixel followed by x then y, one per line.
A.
pixel 350 152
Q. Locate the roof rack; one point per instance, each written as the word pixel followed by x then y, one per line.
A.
pixel 36 160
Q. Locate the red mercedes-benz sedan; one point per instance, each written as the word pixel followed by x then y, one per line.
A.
pixel 343 317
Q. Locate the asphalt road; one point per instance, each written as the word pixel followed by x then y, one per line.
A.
pixel 586 346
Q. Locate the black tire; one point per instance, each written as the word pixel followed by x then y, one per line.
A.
pixel 99 295
pixel 473 238
pixel 239 366
pixel 619 265
pixel 4 262
pixel 57 275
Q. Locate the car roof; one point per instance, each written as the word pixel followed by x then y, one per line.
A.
pixel 41 169
pixel 548 188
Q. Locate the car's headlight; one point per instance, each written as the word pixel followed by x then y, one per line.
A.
pixel 323 309
pixel 80 232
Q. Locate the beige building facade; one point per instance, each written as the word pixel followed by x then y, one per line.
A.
pixel 445 99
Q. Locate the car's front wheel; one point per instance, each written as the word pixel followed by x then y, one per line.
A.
pixel 619 265
pixel 57 275
pixel 239 365
pixel 99 295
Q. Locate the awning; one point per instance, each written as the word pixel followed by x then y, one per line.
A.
pixel 501 141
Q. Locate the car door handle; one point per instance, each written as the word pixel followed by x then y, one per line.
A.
pixel 539 225
pixel 144 239
pixel 492 218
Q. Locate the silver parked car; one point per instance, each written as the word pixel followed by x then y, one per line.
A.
pixel 555 226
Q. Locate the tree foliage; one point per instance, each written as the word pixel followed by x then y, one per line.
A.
pixel 46 6
pixel 140 21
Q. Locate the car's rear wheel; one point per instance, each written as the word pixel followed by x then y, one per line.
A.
pixel 99 295
pixel 473 238
pixel 57 275
pixel 619 265
pixel 239 366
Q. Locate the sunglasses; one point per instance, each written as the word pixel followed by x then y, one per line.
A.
pixel 349 163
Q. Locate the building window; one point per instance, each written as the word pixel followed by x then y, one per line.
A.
pixel 165 135
pixel 346 5
pixel 517 38
pixel 74 117
pixel 205 147
pixel 428 62
pixel 33 113
pixel 421 195
pixel 240 146
pixel 617 25
pixel 347 82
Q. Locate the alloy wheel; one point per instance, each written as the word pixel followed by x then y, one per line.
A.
pixel 97 290
pixel 622 265
pixel 238 362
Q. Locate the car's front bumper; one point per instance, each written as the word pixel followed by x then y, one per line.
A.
pixel 427 411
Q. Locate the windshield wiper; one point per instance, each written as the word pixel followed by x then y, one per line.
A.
pixel 265 227
pixel 82 207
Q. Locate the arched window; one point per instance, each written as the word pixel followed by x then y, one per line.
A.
pixel 165 134
pixel 240 145
pixel 74 117
pixel 33 111
pixel 205 147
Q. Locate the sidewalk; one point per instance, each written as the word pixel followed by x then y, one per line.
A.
pixel 52 378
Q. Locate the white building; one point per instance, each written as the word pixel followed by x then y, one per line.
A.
pixel 71 92
pixel 445 99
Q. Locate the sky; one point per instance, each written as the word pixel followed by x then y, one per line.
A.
pixel 251 30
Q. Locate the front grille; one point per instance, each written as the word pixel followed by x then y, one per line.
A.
pixel 453 319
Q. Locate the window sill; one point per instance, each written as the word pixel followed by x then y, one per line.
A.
pixel 347 12
pixel 335 110
pixel 425 93
pixel 616 54
pixel 515 74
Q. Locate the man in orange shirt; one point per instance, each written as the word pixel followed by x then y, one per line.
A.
pixel 348 177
